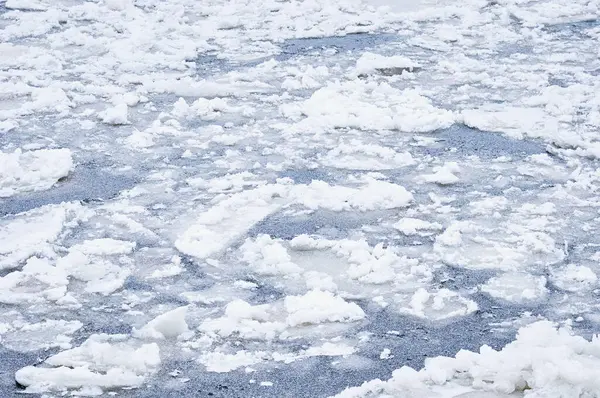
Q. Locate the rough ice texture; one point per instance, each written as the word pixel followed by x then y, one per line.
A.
pixel 33 170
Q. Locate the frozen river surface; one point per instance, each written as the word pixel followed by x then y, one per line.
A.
pixel 304 198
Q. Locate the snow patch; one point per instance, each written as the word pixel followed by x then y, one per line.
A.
pixel 33 171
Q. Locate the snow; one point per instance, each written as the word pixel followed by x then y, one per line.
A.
pixel 439 305
pixel 216 228
pixel 115 115
pixel 369 63
pixel 353 104
pixel 318 306
pixel 35 231
pixel 104 361
pixel 543 360
pixel 33 170
pixel 171 324
pixel 516 287
pixel 413 226
pixel 444 175
pixel 575 278
pixel 358 156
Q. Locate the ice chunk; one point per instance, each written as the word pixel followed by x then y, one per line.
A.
pixel 413 226
pixel 115 115
pixel 375 195
pixel 227 221
pixel 444 175
pixel 439 305
pixel 33 171
pixel 245 320
pixel 48 99
pixel 27 5
pixel 513 121
pixel 358 156
pixel 393 65
pixel 104 361
pixel 574 278
pixel 171 324
pixel 23 336
pixel 268 257
pixel 37 282
pixel 202 108
pixel 516 287
pixel 7 125
pixel 386 354
pixel 267 322
pixel 140 140
pixel 488 205
pixel 543 360
pixel 355 104
pixel 320 306
pixel 221 362
pixel 33 232
pixel 104 247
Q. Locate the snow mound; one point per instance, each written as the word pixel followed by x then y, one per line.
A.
pixel 32 171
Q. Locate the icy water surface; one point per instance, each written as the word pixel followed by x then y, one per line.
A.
pixel 287 200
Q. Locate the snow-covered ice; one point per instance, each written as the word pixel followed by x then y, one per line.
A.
pixel 33 170
pixel 299 198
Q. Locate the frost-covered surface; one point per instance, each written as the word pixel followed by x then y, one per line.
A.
pixel 293 198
